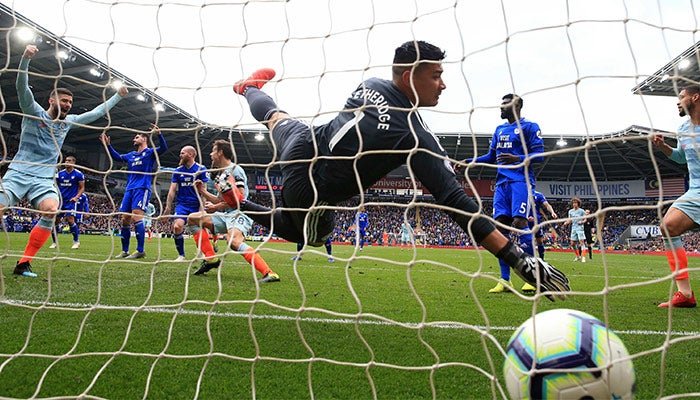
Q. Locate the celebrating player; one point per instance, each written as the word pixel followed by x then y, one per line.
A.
pixel 183 192
pixel 684 213
pixel 515 142
pixel 140 163
pixel 71 185
pixel 31 171
pixel 218 217
pixel 344 157
pixel 578 237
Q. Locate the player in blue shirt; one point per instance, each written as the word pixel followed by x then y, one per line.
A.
pixel 684 213
pixel 144 162
pixel 183 192
pixel 218 217
pixel 541 204
pixel 71 185
pixel 379 130
pixel 361 224
pixel 32 170
pixel 516 142
pixel 82 207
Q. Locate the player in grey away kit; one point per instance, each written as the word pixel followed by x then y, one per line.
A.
pixel 378 130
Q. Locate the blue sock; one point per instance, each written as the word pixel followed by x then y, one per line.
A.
pixel 179 243
pixel 140 232
pixel 75 231
pixel 505 270
pixel 540 250
pixel 126 236
pixel 300 246
pixel 329 247
pixel 526 243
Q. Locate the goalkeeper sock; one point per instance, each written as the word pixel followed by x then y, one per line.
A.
pixel 254 259
pixel 37 237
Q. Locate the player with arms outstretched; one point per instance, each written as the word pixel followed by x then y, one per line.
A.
pixel 143 161
pixel 341 159
pixel 32 170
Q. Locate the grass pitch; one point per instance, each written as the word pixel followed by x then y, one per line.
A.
pixel 382 322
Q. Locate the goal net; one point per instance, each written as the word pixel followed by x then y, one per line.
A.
pixel 362 317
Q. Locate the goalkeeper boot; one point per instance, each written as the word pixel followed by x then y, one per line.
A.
pixel 269 278
pixel 24 269
pixel 536 272
pixel 207 266
pixel 501 287
pixel 680 301
pixel 527 288
pixel 258 79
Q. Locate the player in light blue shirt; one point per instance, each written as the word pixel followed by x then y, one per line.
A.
pixel 516 142
pixel 148 220
pixel 407 238
pixel 141 164
pixel 31 171
pixel 183 192
pixel 577 217
pixel 71 185
pixel 684 213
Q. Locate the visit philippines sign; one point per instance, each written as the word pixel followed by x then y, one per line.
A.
pixel 587 190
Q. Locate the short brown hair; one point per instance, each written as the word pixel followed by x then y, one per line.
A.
pixel 225 147
pixel 60 90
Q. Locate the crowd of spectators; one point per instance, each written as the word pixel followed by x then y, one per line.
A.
pixel 433 225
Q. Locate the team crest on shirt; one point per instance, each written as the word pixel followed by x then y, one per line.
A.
pixel 517 131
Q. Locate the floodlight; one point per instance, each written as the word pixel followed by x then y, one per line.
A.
pixel 96 72
pixel 684 63
pixel 117 84
pixel 259 137
pixel 142 97
pixel 25 34
pixel 561 142
pixel 159 107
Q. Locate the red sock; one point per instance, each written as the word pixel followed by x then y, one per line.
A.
pixel 256 261
pixel 37 237
pixel 201 240
pixel 678 261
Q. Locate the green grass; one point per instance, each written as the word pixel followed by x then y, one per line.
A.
pixel 366 325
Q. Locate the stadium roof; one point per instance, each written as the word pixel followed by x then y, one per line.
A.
pixel 621 155
pixel 672 77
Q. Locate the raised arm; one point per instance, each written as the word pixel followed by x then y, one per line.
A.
pixel 24 94
pixel 163 146
pixel 107 142
pixel 102 109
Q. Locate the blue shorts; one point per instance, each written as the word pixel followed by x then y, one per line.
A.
pixel 539 232
pixel 224 222
pixel 689 204
pixel 135 199
pixel 182 211
pixel 510 200
pixel 15 186
pixel 69 210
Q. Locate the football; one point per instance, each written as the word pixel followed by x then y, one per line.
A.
pixel 567 354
